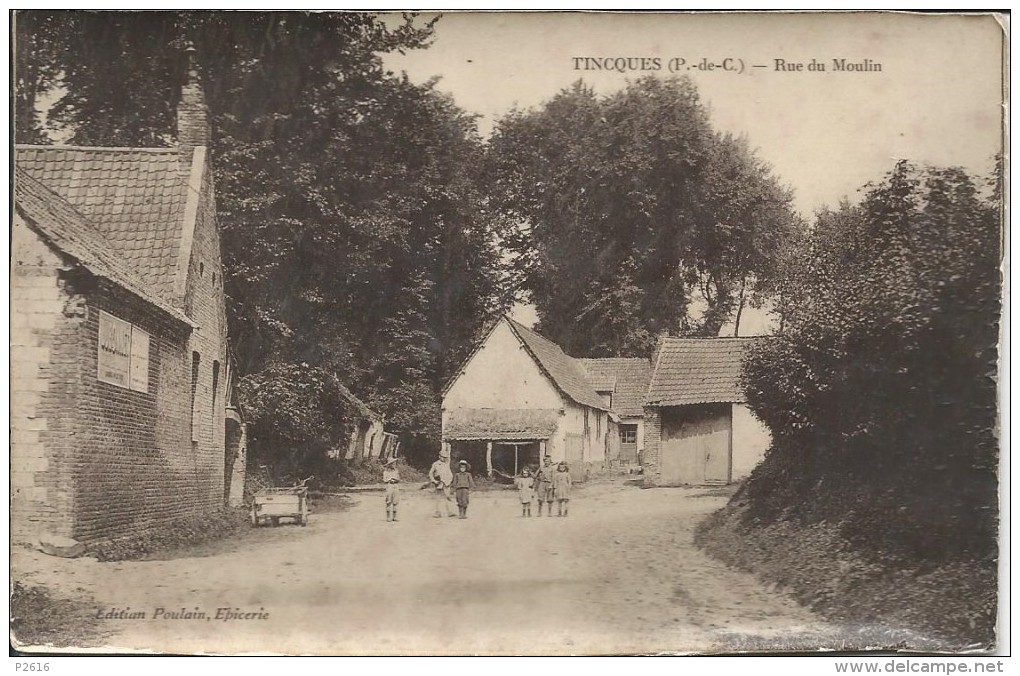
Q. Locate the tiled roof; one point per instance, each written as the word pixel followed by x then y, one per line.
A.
pixel 70 232
pixel 135 196
pixel 600 383
pixel 568 375
pixel 697 371
pixel 630 376
pixel 506 424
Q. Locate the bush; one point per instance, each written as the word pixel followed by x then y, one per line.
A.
pixel 295 414
pixel 948 606
pixel 186 531
pixel 370 472
pixel 879 389
pixel 40 618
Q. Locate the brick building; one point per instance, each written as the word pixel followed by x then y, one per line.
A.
pixel 120 380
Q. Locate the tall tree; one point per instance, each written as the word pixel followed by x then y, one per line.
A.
pixel 631 217
pixel 354 233
pixel 38 58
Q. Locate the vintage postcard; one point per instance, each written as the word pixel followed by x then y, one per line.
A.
pixel 506 333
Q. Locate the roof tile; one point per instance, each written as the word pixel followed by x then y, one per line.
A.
pixel 630 375
pixel 565 371
pixel 70 232
pixel 134 196
pixel 698 371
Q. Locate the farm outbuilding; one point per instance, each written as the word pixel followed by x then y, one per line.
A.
pixel 698 429
pixel 518 397
pixel 368 437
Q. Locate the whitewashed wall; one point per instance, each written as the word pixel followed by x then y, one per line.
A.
pixel 502 375
pixel 750 441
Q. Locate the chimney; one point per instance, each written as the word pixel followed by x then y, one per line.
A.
pixel 657 350
pixel 192 112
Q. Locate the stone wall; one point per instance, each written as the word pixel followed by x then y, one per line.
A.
pixel 45 316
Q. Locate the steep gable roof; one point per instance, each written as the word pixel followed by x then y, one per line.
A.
pixel 71 233
pixel 697 371
pixel 566 372
pixel 363 409
pixel 629 376
pixel 135 196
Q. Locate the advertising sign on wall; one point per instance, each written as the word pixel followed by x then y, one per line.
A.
pixel 123 354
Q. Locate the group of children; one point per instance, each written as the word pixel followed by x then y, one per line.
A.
pixel 547 485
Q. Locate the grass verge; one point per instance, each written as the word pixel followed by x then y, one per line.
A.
pixel 888 604
pixel 40 618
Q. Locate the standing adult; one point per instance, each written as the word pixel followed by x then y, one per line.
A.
pixel 441 477
pixel 544 484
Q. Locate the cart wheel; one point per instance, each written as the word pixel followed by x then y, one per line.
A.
pixel 276 521
pixel 254 518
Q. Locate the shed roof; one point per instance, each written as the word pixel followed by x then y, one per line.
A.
pixel 630 376
pixel 464 424
pixel 134 196
pixel 70 232
pixel 697 371
pixel 363 410
pixel 566 372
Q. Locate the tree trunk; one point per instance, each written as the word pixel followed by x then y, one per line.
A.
pixel 740 308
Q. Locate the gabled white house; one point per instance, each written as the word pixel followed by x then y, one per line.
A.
pixel 519 397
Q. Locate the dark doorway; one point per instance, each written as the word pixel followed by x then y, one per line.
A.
pixel 509 458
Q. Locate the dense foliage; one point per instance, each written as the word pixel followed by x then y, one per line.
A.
pixel 299 408
pixel 629 216
pixel 354 235
pixel 880 389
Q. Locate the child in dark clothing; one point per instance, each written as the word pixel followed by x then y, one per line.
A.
pixel 463 482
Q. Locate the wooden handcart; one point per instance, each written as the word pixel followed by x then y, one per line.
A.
pixel 272 504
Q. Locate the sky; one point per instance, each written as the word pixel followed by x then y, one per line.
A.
pixel 930 90
pixel 936 100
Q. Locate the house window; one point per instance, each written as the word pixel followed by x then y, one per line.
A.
pixel 196 362
pixel 215 389
pixel 628 434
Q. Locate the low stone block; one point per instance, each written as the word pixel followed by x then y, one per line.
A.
pixel 57 545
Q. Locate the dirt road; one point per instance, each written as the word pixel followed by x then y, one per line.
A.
pixel 619 575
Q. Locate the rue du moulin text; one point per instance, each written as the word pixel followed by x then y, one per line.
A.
pixel 816 66
pixel 221 614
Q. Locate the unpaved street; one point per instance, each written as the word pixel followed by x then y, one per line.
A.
pixel 619 575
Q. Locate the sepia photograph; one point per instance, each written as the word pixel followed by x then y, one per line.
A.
pixel 507 333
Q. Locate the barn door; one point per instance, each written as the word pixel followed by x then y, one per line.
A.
pixel 718 451
pixel 696 445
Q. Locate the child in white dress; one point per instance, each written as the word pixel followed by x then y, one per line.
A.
pixel 526 490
